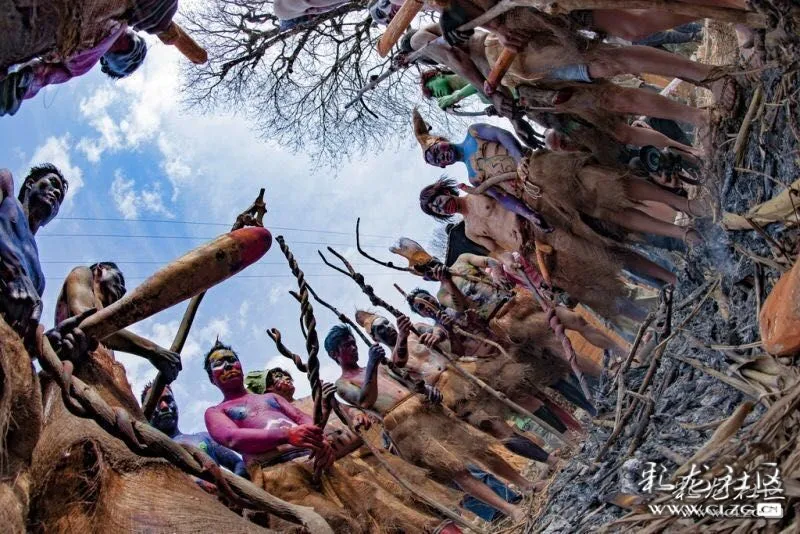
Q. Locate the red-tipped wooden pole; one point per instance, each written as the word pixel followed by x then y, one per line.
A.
pixel 194 272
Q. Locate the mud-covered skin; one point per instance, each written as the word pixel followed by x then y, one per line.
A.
pixel 21 274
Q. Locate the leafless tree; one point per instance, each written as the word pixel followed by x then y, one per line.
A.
pixel 294 84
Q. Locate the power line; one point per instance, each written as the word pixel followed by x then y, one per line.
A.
pixel 240 276
pixel 162 262
pixel 200 238
pixel 201 223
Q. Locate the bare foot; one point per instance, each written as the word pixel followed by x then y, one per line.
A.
pixel 540 486
pixel 519 514
pixel 726 95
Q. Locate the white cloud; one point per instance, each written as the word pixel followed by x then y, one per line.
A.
pixel 130 202
pixel 56 150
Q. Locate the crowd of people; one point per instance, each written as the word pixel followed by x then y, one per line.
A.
pixel 552 243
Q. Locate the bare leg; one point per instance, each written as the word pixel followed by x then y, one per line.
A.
pixel 636 24
pixel 606 62
pixel 481 491
pixel 639 189
pixel 573 321
pixel 638 264
pixel 503 469
pixel 638 221
pixel 637 136
pixel 733 4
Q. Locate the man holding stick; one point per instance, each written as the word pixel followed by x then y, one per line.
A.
pixel 424 432
pixel 277 442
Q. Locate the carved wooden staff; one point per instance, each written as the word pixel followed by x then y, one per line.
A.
pixel 252 216
pixel 358 278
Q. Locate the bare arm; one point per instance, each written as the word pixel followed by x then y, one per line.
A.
pixel 243 440
pixel 498 135
pixel 292 412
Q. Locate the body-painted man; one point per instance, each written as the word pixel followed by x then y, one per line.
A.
pixel 117 475
pixel 424 432
pixel 460 395
pixel 447 88
pixel 277 441
pixel 165 418
pixel 119 53
pixel 587 271
pixel 563 186
pixel 391 506
pixel 21 277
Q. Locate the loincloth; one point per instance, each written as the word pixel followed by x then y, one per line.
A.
pixel 334 498
pixel 428 436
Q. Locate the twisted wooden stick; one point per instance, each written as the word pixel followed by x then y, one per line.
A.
pixel 310 324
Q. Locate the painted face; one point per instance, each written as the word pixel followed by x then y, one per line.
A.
pixel 282 384
pixel 226 369
pixel 45 196
pixel 425 305
pixel 440 154
pixel 347 352
pixel 384 332
pixel 439 86
pixel 165 416
pixel 444 205
pixel 383 11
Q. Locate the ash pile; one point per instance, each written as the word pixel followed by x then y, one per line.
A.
pixel 701 389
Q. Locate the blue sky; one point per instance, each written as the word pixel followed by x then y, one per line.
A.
pixel 131 151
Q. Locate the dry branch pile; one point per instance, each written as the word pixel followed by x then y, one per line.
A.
pixel 716 397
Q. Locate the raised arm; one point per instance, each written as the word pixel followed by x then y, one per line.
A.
pixel 400 351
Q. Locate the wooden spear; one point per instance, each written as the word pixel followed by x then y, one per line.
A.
pixel 252 216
